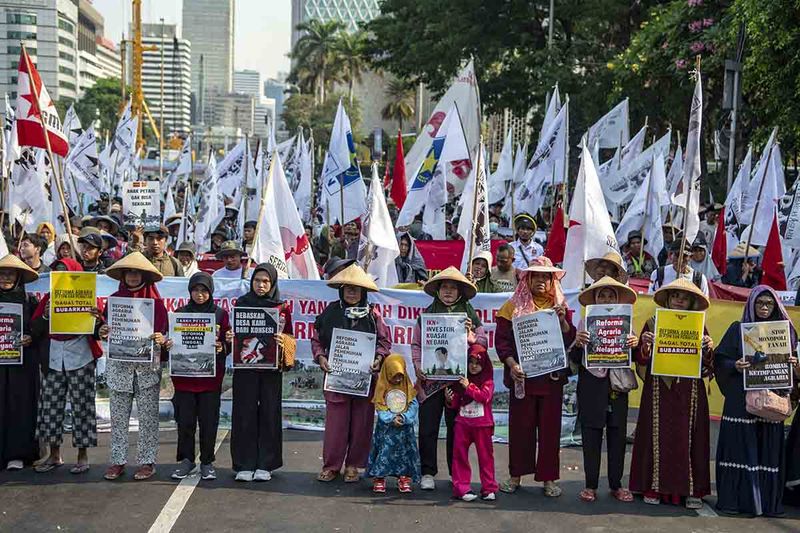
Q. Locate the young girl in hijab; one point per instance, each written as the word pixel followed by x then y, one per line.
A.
pixel 126 380
pixel 451 292
pixel 671 446
pixel 257 425
pixel 348 419
pixel 599 405
pixel 394 445
pixel 535 419
pixel 47 232
pixel 68 372
pixel 196 399
pixel 19 384
pixel 474 424
pixel 750 450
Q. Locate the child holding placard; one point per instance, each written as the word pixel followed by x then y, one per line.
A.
pixel 394 446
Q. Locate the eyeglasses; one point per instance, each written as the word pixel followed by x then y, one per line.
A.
pixel 767 304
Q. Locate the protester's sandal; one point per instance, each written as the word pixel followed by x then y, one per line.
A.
pixel 509 486
pixel 623 495
pixel 327 475
pixel 144 472
pixel 351 474
pixel 79 468
pixel 694 503
pixel 114 471
pixel 551 490
pixel 404 484
pixel 47 467
pixel 379 485
pixel 651 500
pixel 588 495
pixel 16 464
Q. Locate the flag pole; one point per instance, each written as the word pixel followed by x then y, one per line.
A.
pixel 246 169
pixel 53 164
pixel 312 212
pixel 646 205
pixel 471 245
pixel 688 192
pixel 758 200
pixel 261 211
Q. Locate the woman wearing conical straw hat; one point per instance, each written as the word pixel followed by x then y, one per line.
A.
pixel 348 418
pixel 671 446
pixel 602 404
pixel 19 384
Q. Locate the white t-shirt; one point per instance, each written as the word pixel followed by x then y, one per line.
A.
pixel 670 276
pixel 228 274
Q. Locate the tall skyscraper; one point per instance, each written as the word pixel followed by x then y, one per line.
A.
pixel 208 25
pixel 350 12
pixel 247 82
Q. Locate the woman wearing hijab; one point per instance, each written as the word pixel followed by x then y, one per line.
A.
pixel 68 372
pixel 599 405
pixel 451 292
pixel 671 445
pixel 126 380
pixel 481 272
pixel 48 232
pixel 534 421
pixel 750 450
pixel 256 430
pixel 409 264
pixel 19 384
pixel 66 246
pixel 348 419
pixel 196 399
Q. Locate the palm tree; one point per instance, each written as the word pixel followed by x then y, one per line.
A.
pixel 351 57
pixel 401 102
pixel 315 55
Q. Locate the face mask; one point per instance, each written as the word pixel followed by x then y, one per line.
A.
pixel 493 227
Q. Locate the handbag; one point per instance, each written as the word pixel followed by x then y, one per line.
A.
pixel 768 405
pixel 622 380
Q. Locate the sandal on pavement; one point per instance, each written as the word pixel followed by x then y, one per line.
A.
pixel 404 484
pixel 551 490
pixel 509 486
pixel 47 467
pixel 379 485
pixel 327 475
pixel 623 495
pixel 79 468
pixel 144 472
pixel 650 500
pixel 588 495
pixel 351 474
pixel 694 503
pixel 114 471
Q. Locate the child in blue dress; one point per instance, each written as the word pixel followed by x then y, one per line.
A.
pixel 394 445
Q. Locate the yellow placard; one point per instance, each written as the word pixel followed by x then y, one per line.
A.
pixel 678 345
pixel 72 296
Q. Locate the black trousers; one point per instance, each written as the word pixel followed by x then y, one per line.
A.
pixel 194 409
pixel 430 417
pixel 592 451
pixel 256 429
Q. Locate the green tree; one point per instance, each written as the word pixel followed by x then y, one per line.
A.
pixel 400 104
pixel 101 102
pixel 301 111
pixel 315 56
pixel 351 58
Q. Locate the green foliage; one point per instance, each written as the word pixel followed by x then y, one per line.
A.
pixel 400 105
pixel 300 111
pixel 102 101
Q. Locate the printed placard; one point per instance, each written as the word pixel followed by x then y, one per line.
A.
pixel 254 344
pixel 130 321
pixel 678 346
pixel 72 296
pixel 141 204
pixel 767 346
pixel 540 344
pixel 350 359
pixel 608 327
pixel 444 345
pixel 194 349
pixel 11 351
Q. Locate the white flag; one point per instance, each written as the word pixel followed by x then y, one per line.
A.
pixel 211 207
pixel 122 150
pixel 169 206
pixel 619 187
pixel 590 233
pixel 305 182
pixel 186 230
pixel 500 180
pixel 231 173
pixel 690 179
pixel 255 185
pixel 644 212
pixel 771 193
pixel 268 245
pixel 612 128
pixel 11 147
pixel 29 199
pixel 72 126
pixel 82 168
pixel 553 107
pixel 519 163
pixel 378 248
pixel 735 199
pixel 473 225
pixel 183 169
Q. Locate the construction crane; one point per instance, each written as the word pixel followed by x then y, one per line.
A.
pixel 138 105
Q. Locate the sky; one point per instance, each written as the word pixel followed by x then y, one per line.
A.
pixel 262 35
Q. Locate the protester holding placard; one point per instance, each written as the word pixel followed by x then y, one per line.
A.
pixel 19 383
pixel 750 449
pixel 68 372
pixel 394 445
pixel 603 401
pixel 534 413
pixel 196 399
pixel 348 418
pixel 256 429
pixel 451 292
pixel 671 446
pixel 128 380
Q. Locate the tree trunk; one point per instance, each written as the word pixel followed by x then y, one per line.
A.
pixel 350 89
pixel 400 121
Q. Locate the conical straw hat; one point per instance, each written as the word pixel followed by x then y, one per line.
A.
pixel 12 261
pixel 738 252
pixel 353 275
pixel 701 300
pixel 611 257
pixel 134 261
pixel 625 294
pixel 468 289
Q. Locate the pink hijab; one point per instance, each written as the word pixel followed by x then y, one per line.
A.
pixel 522 302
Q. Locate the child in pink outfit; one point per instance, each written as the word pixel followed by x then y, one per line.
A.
pixel 474 424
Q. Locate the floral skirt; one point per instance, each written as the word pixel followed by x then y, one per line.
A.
pixel 394 452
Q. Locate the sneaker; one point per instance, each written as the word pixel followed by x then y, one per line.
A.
pixel 469 497
pixel 427 482
pixel 489 497
pixel 16 464
pixel 184 469
pixel 244 475
pixel 262 475
pixel 207 472
pixel 404 484
pixel 379 485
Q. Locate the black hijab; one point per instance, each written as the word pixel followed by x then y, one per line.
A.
pixel 273 296
pixel 340 314
pixel 204 279
pixel 15 294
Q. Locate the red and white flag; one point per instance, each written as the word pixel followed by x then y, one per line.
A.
pixel 29 109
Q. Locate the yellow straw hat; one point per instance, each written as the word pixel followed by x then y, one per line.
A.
pixel 134 261
pixel 610 257
pixel 12 261
pixel 353 275
pixel 701 300
pixel 625 294
pixel 468 289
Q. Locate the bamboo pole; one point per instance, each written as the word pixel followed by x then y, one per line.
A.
pixel 479 161
pixel 758 202
pixel 646 205
pixel 260 211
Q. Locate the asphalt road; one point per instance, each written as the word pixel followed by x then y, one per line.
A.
pixel 295 501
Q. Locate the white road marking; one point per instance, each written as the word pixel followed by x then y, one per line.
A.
pixel 706 511
pixel 180 496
